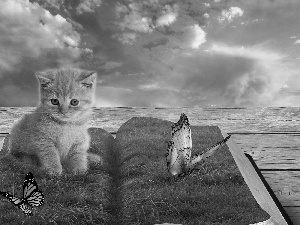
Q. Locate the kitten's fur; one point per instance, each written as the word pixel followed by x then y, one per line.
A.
pixel 56 134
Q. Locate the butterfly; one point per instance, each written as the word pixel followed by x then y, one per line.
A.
pixel 31 195
pixel 179 151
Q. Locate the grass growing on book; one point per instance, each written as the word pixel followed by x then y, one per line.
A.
pixel 134 186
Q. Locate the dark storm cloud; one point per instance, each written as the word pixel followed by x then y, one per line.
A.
pixel 221 79
pixel 136 97
pixel 155 43
pixel 18 89
pixel 150 52
pixel 197 80
pixel 214 72
pixel 231 76
pixel 262 21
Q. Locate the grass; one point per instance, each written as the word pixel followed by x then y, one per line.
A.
pixel 216 194
pixel 80 199
pixel 68 199
pixel 130 189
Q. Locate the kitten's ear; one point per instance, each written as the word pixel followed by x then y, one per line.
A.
pixel 88 78
pixel 44 81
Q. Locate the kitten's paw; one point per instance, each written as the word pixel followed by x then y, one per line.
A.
pixel 77 171
pixel 94 159
pixel 54 171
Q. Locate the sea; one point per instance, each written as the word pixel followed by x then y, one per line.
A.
pixel 245 125
pixel 230 120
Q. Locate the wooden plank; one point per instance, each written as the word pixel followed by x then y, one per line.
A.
pixel 256 185
pixel 274 132
pixel 277 155
pixel 271 151
pixel 294 214
pixel 285 185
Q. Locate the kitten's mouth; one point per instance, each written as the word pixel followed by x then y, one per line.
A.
pixel 70 117
pixel 67 117
pixel 64 117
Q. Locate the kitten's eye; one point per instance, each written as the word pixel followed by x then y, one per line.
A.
pixel 54 101
pixel 74 102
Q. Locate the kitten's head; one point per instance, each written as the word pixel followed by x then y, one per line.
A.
pixel 67 94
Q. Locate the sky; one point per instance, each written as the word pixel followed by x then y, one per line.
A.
pixel 156 53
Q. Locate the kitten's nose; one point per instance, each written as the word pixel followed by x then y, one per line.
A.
pixel 63 109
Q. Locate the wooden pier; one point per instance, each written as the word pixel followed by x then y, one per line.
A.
pixel 273 143
pixel 277 157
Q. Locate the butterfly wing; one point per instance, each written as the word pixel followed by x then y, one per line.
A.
pixel 169 153
pixel 179 148
pixel 31 194
pixel 174 159
pixel 197 158
pixel 17 202
pixel 25 209
pixel 36 199
pixel 182 138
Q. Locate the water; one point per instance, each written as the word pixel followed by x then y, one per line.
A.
pixel 277 142
pixel 230 120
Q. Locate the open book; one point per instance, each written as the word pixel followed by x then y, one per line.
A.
pixel 134 185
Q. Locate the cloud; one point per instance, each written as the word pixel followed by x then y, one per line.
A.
pixel 256 52
pixel 143 17
pixel 57 4
pixel 206 15
pixel 231 76
pixel 23 97
pixel 168 17
pixel 88 6
pixel 194 36
pixel 111 65
pixel 152 86
pixel 137 23
pixel 155 43
pixel 133 18
pixel 112 97
pixel 41 30
pixel 230 14
pixel 297 42
pixel 125 38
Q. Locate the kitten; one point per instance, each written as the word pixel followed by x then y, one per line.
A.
pixel 56 132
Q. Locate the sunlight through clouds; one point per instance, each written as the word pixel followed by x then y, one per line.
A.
pixel 143 17
pixel 88 6
pixel 168 17
pixel 197 35
pixel 125 38
pixel 255 75
pixel 297 41
pixel 40 31
pixel 230 14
